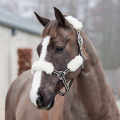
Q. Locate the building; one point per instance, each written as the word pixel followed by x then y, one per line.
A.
pixel 18 36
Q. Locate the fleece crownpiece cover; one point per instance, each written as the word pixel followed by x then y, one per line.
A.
pixel 74 22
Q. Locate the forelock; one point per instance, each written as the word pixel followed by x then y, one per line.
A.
pixel 51 29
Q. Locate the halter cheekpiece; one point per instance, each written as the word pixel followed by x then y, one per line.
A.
pixel 61 74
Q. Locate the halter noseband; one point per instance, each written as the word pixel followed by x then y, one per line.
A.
pixel 61 74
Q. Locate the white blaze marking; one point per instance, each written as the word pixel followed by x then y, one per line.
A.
pixel 44 48
pixel 35 85
pixel 38 74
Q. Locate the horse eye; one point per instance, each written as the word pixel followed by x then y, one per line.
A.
pixel 59 49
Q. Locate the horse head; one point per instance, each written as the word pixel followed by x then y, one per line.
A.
pixel 60 59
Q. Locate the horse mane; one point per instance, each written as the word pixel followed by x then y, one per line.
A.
pixel 89 49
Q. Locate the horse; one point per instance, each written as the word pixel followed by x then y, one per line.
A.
pixel 68 66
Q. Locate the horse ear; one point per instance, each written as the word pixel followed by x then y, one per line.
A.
pixel 59 16
pixel 43 21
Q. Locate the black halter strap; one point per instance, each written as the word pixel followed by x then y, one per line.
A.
pixel 61 74
pixel 80 42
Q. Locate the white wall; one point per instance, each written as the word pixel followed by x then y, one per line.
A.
pixel 8 56
pixel 4 56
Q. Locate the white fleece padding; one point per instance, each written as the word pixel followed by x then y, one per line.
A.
pixel 41 65
pixel 75 63
pixel 35 86
pixel 75 22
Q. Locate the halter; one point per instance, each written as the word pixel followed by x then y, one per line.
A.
pixel 72 66
pixel 61 74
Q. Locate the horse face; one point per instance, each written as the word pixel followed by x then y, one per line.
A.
pixel 57 49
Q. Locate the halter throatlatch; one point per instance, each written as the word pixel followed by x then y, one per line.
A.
pixel 61 74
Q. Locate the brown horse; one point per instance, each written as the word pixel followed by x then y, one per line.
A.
pixel 90 98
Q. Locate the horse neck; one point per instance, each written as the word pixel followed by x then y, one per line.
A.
pixel 90 96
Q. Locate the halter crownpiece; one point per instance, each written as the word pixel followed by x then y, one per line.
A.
pixel 72 66
pixel 74 22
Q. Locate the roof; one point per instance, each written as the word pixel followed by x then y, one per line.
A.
pixel 27 25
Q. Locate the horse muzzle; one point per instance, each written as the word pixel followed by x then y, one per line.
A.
pixel 41 104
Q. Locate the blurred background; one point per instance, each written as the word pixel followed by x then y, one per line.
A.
pixel 20 33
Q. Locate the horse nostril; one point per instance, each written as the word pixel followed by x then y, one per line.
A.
pixel 39 101
pixel 59 49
